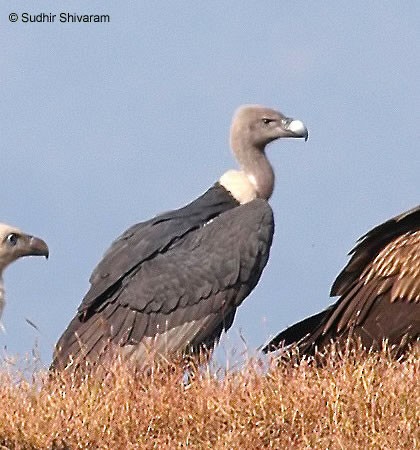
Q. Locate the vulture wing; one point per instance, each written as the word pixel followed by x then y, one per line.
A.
pixel 371 244
pixel 182 296
pixel 379 292
pixel 144 240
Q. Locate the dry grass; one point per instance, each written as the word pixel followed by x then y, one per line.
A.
pixel 369 402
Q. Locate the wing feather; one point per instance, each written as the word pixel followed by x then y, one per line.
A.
pixel 144 240
pixel 379 292
pixel 188 293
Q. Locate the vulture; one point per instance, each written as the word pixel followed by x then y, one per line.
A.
pixel 379 294
pixel 171 285
pixel 13 245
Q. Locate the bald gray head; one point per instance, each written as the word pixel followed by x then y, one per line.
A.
pixel 253 127
pixel 257 126
pixel 15 244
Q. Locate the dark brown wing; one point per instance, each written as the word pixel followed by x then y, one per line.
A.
pixel 384 302
pixel 371 244
pixel 182 297
pixel 379 292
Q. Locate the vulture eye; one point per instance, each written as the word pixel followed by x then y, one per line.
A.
pixel 12 239
pixel 266 121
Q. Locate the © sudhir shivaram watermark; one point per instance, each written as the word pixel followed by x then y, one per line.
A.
pixel 63 17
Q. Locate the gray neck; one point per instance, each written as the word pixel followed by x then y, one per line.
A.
pixel 254 163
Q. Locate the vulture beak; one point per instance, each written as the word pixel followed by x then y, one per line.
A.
pixel 34 247
pixel 295 128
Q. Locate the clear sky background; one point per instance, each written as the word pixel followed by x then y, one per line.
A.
pixel 105 125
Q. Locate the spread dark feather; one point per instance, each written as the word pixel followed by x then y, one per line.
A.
pixel 379 293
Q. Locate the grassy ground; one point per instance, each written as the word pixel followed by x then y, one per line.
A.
pixel 369 402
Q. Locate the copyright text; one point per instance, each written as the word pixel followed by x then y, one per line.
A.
pixel 63 17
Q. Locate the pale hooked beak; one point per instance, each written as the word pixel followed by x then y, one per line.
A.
pixel 297 128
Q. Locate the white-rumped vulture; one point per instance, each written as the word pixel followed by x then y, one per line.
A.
pixel 14 245
pixel 172 284
pixel 379 293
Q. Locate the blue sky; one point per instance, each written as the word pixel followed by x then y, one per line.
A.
pixel 106 125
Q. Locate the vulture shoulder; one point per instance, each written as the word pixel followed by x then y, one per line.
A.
pixel 374 247
pixel 384 269
pixel 145 240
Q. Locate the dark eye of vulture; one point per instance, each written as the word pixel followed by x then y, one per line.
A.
pixel 379 293
pixel 172 284
pixel 12 239
pixel 13 245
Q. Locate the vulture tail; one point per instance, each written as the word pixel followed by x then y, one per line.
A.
pixel 303 333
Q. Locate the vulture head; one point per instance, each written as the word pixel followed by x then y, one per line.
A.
pixel 14 245
pixel 258 126
pixel 253 127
